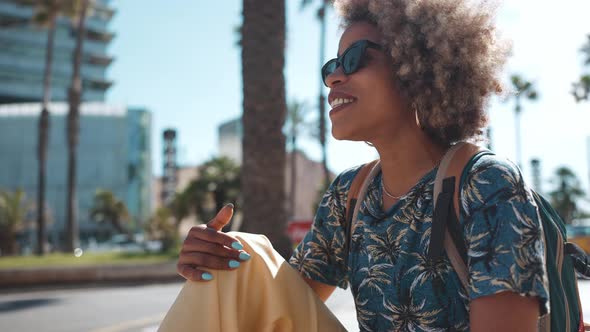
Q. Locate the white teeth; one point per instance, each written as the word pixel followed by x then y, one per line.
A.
pixel 339 101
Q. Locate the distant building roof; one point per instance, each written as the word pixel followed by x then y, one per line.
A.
pixel 61 108
pixel 231 127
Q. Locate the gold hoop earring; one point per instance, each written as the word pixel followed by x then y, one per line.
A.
pixel 418 122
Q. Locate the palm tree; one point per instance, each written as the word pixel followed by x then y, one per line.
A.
pixel 107 208
pixel 73 128
pixel 180 206
pixel 296 124
pixel 45 15
pixel 13 209
pixel 160 227
pixel 322 99
pixel 566 194
pixel 264 107
pixel 581 89
pixel 218 181
pixel 522 89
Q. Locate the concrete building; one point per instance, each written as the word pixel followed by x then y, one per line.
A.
pixel 184 176
pixel 169 177
pixel 309 177
pixel 114 153
pixel 230 139
pixel 23 48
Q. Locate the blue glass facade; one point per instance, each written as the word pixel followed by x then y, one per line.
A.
pixel 114 154
pixel 23 47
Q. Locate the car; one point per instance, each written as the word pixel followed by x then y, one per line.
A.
pixel 580 235
pixel 122 243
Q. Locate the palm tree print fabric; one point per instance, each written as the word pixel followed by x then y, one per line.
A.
pixel 395 286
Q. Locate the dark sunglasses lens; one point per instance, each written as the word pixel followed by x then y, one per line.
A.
pixel 329 68
pixel 351 59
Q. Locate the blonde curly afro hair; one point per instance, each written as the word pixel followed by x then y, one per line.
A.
pixel 446 58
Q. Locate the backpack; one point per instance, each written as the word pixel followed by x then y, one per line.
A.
pixel 562 259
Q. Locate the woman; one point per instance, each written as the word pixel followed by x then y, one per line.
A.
pixel 411 79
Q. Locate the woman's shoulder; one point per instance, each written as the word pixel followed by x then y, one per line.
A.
pixel 491 179
pixel 492 165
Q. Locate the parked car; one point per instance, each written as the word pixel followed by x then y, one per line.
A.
pixel 580 235
pixel 122 243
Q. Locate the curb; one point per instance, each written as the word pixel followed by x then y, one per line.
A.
pixel 56 276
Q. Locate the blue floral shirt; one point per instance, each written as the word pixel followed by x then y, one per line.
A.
pixel 395 286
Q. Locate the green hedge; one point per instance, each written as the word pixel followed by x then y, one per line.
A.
pixel 107 258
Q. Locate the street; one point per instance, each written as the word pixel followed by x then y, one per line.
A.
pixel 129 308
pixel 111 309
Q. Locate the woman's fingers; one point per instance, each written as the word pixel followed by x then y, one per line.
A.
pixel 193 274
pixel 216 249
pixel 207 247
pixel 204 233
pixel 222 218
pixel 203 260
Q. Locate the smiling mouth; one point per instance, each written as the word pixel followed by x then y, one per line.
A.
pixel 340 102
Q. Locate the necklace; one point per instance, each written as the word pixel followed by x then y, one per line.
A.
pixel 387 193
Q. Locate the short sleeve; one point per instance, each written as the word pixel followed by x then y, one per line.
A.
pixel 503 232
pixel 321 254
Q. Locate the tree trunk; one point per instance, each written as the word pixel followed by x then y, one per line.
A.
pixel 293 189
pixel 322 98
pixel 73 129
pixel 517 126
pixel 263 166
pixel 8 245
pixel 44 140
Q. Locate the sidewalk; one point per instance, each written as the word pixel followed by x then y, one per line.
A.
pixel 341 303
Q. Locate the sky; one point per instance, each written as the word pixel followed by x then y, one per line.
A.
pixel 179 60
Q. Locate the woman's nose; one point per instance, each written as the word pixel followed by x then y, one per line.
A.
pixel 336 77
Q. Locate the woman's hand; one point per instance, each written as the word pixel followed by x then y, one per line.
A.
pixel 206 247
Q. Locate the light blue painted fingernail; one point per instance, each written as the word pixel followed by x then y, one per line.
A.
pixel 244 256
pixel 233 264
pixel 237 245
pixel 206 276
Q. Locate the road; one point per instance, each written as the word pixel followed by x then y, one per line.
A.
pixel 129 308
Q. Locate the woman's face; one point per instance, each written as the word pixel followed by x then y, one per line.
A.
pixel 373 108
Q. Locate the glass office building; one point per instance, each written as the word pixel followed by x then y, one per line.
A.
pixel 23 47
pixel 114 153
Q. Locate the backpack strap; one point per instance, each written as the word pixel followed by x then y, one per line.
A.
pixel 358 188
pixel 446 231
pixel 355 188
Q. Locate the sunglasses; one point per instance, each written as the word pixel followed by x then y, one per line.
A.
pixel 350 59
